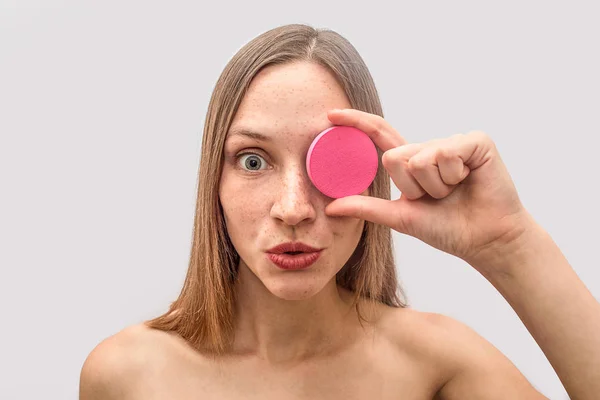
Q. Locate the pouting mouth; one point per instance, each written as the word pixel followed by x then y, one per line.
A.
pixel 293 248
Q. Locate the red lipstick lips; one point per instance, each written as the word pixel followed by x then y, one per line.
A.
pixel 293 255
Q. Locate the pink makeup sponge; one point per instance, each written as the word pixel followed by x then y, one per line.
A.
pixel 342 161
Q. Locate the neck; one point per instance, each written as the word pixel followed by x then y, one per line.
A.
pixel 288 331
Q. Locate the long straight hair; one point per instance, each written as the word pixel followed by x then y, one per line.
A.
pixel 203 313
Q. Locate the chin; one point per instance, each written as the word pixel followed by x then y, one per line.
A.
pixel 294 289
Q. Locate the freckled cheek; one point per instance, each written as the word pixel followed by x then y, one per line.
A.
pixel 245 203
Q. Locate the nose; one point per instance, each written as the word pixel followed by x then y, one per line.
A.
pixel 294 201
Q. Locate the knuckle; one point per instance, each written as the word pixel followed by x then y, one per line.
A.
pixel 378 120
pixel 361 211
pixel 480 135
pixel 444 153
pixel 416 163
pixel 485 138
pixel 378 123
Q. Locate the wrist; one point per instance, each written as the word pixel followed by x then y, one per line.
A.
pixel 525 242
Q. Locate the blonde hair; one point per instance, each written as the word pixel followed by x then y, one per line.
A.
pixel 203 312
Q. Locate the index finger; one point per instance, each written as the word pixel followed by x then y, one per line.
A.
pixel 377 128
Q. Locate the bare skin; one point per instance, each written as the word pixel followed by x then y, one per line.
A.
pixel 399 354
pixel 369 364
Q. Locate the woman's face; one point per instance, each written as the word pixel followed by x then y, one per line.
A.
pixel 266 194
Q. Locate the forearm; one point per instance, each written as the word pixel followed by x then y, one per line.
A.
pixel 556 307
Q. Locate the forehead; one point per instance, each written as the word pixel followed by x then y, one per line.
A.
pixel 295 96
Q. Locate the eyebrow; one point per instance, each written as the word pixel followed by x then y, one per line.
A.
pixel 252 134
pixel 249 133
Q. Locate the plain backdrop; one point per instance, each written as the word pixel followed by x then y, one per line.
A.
pixel 102 106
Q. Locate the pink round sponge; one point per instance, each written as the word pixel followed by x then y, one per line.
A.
pixel 342 161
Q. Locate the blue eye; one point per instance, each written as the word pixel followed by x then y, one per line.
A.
pixel 252 161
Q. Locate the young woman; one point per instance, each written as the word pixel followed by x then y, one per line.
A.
pixel 247 327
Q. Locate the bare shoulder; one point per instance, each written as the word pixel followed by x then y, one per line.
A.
pixel 465 362
pixel 117 363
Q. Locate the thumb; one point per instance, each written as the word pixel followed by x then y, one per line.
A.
pixel 380 211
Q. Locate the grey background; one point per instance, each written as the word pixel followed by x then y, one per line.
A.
pixel 102 106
